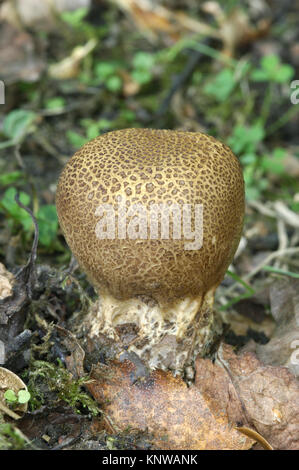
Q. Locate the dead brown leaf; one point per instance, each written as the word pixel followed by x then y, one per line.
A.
pixel 74 359
pixel 19 59
pixel 268 395
pixel 38 14
pixel 283 347
pixel 235 391
pixel 235 28
pixel 6 282
pixel 155 20
pixel 177 416
pixel 69 67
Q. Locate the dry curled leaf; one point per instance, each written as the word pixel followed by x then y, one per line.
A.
pixel 6 282
pixel 19 57
pixel 268 396
pixel 38 14
pixel 75 357
pixel 234 27
pixel 283 348
pixel 255 435
pixel 70 66
pixel 155 20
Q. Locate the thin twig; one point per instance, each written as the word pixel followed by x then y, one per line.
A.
pixel 8 411
pixel 180 79
pixel 282 237
pixel 28 272
pixel 268 259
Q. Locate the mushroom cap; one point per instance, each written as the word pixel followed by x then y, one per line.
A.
pixel 150 166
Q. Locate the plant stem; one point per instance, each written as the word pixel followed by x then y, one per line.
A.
pixel 282 120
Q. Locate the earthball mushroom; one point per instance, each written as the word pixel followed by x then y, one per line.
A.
pixel 154 218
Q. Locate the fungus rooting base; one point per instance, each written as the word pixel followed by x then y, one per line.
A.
pixel 155 296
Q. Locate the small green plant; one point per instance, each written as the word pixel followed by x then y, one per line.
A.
pixel 11 438
pixel 92 130
pixel 110 442
pixel 56 103
pixel 16 125
pixel 249 291
pixel 17 215
pixel 46 216
pixel 60 381
pixel 221 86
pixel 21 398
pixel 245 139
pixel 143 63
pixel 11 177
pixel 77 27
pixel 282 272
pixel 273 163
pixel 245 142
pixel 47 223
pixel 75 18
pixel 108 74
pixel 272 70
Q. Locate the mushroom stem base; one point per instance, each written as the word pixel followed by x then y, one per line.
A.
pixel 168 336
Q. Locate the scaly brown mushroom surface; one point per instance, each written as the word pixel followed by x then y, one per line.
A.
pixel 156 289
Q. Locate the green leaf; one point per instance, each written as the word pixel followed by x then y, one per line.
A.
pixel 250 291
pixel 114 83
pixel 74 18
pixel 279 153
pixel 256 133
pixel 240 281
pixel 234 301
pixel 23 396
pixel 252 192
pixel 272 166
pixel 9 204
pixel 48 224
pixel 10 396
pixel 55 103
pixel 103 70
pixel 281 271
pixel 141 76
pixel 245 139
pixel 92 131
pixel 17 123
pixel 143 60
pixel 259 75
pixel 104 124
pixel 274 163
pixel 9 178
pixel 249 158
pixel 197 77
pixel 270 63
pixel 272 70
pixel 128 115
pixel 284 74
pixel 222 86
pixel 77 140
pixel 295 206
